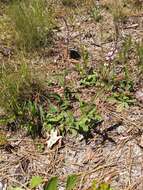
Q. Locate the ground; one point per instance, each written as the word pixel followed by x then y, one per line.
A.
pixel 114 154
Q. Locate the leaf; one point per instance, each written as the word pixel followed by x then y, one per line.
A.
pixel 35 181
pixel 71 182
pixel 53 109
pixel 82 123
pixel 52 184
pixel 94 185
pixel 105 186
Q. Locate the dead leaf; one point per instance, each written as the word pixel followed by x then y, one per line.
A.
pixel 53 138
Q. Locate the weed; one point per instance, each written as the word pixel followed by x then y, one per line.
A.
pixel 96 14
pixel 35 181
pixel 71 183
pixel 63 118
pixel 19 97
pixel 101 77
pixel 122 93
pixel 88 117
pixel 100 186
pixel 85 57
pixel 11 81
pixel 82 68
pixel 33 21
pixel 90 80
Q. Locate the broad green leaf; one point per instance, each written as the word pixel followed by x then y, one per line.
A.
pixel 52 184
pixel 35 181
pixel 104 186
pixel 71 182
pixel 94 185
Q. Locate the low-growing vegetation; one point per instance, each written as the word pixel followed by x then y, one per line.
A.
pixel 71 183
pixel 33 22
pixel 70 70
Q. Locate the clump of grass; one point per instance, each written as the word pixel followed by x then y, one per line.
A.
pixel 33 21
pixel 11 79
pixel 16 90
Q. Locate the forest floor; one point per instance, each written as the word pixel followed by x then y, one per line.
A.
pixel 83 43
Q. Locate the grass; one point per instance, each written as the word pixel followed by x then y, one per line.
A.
pixel 28 104
pixel 10 84
pixel 17 89
pixel 33 22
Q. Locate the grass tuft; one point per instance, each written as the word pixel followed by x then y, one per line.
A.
pixel 33 21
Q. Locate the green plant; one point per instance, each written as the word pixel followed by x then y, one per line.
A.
pixel 53 183
pixel 88 119
pixel 96 14
pixel 89 80
pixel 101 77
pixel 11 81
pixel 107 74
pixel 33 21
pixel 32 118
pixel 85 57
pixel 21 99
pixel 100 186
pixel 71 183
pixel 61 116
pixel 83 67
pixel 122 93
pixel 123 100
pixel 35 181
